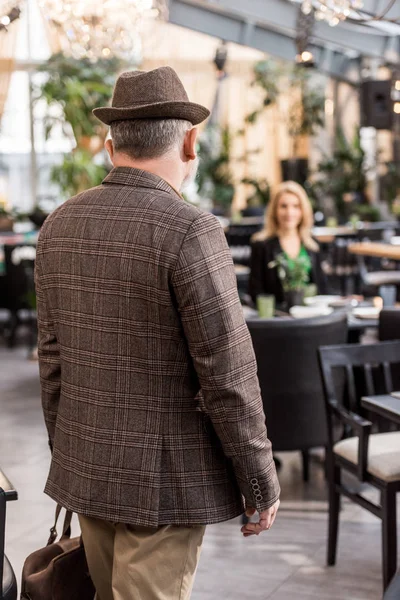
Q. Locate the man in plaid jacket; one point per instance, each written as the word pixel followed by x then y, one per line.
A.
pixel 148 375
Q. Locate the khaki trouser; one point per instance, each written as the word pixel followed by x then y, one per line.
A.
pixel 128 562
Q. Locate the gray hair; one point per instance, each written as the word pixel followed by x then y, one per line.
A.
pixel 148 138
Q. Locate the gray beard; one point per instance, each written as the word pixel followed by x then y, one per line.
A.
pixel 191 176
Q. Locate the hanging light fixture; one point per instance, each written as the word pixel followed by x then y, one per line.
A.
pixel 9 12
pixel 335 11
pixel 101 28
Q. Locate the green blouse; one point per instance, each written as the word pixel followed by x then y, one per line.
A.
pixel 302 254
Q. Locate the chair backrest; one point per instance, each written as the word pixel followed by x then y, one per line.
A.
pixel 18 279
pixel 7 493
pixel 389 324
pixel 372 362
pixel 238 237
pixel 287 356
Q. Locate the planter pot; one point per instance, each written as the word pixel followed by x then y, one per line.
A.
pixel 253 211
pixel 38 217
pixel 219 211
pixel 295 169
pixel 6 224
pixel 93 144
pixel 294 298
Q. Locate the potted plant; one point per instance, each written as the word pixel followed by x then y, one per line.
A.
pixel 6 220
pixel 78 86
pixel 294 276
pixel 259 197
pixel 304 114
pixel 343 177
pixel 390 187
pixel 214 176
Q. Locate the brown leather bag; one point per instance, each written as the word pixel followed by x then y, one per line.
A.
pixel 59 571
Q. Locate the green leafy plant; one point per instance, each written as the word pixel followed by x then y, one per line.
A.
pixel 214 176
pixel 293 273
pixel 366 212
pixel 396 207
pixel 261 192
pixel 77 173
pixel 390 183
pixel 306 111
pixel 342 176
pixel 77 86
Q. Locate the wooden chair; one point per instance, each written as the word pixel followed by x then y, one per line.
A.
pixel 8 584
pixel 372 458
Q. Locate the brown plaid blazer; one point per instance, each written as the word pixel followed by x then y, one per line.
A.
pixel 148 375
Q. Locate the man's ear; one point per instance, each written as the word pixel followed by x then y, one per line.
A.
pixel 109 146
pixel 189 145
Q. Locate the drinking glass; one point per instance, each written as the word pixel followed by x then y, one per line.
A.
pixel 266 305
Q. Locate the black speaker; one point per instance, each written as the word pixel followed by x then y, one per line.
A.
pixel 376 104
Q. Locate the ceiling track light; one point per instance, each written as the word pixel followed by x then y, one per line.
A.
pixel 9 17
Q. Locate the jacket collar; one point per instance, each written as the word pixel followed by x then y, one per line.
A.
pixel 139 178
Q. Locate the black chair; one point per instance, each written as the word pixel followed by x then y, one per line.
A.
pixel 8 583
pixel 393 591
pixel 362 455
pixel 340 266
pixel 389 324
pixel 389 329
pixel 287 356
pixel 238 236
pixel 373 276
pixel 17 288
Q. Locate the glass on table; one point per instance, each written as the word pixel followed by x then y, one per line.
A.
pixel 388 293
pixel 265 305
pixel 310 290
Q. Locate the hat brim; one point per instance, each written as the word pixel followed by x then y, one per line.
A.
pixel 188 111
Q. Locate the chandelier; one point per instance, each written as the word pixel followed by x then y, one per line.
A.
pixel 101 28
pixel 335 11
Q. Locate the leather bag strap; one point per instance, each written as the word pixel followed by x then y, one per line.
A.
pixel 66 530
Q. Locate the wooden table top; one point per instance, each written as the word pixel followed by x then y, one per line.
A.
pixel 386 406
pixel 379 249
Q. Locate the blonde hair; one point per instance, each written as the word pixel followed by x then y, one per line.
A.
pixel 271 225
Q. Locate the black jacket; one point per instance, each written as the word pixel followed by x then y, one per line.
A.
pixel 265 280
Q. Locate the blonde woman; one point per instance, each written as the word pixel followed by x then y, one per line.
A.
pixel 287 229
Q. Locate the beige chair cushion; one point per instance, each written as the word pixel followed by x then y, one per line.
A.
pixel 4 483
pixel 383 454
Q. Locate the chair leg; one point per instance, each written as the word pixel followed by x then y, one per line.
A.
pixel 334 508
pixel 306 464
pixel 389 535
pixel 12 329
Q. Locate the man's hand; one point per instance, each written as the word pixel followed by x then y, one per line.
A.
pixel 266 519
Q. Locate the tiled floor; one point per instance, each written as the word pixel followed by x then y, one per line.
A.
pixel 286 563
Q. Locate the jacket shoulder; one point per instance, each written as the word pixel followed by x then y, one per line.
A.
pixel 65 207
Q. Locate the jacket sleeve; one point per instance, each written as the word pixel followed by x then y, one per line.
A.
pixel 219 342
pixel 48 351
pixel 256 271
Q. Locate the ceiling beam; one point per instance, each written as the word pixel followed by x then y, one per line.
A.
pixel 279 17
pixel 244 28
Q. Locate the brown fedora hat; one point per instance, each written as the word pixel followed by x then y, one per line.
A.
pixel 151 94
